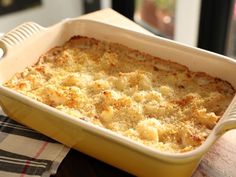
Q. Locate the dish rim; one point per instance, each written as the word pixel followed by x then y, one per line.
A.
pixel 147 150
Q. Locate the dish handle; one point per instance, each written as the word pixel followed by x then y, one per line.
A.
pixel 17 36
pixel 228 120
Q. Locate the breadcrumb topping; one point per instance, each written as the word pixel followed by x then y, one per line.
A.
pixel 158 103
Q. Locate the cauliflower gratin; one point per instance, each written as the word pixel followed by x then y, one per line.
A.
pixel 155 102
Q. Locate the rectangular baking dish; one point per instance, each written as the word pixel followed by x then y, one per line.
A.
pixel 23 46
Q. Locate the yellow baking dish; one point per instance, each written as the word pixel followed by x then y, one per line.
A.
pixel 26 43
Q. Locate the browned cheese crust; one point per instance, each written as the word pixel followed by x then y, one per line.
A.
pixel 155 102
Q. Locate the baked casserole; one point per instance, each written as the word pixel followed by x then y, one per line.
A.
pixel 156 102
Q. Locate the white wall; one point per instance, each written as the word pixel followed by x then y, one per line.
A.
pixel 105 4
pixel 50 12
pixel 187 18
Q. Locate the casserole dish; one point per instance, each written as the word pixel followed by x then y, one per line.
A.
pixel 30 40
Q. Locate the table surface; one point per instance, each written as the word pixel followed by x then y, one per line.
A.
pixel 219 161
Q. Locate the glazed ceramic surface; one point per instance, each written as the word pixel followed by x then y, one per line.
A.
pixel 24 45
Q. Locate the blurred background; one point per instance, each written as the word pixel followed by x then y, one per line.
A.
pixel 210 24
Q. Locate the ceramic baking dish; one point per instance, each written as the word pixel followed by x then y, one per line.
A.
pixel 23 46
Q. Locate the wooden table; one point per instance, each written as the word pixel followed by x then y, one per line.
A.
pixel 220 161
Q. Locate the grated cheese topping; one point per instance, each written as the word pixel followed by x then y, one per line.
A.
pixel 155 102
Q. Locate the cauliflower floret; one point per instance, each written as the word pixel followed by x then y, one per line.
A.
pixel 109 59
pixel 107 114
pixel 24 85
pixel 121 83
pixel 140 78
pixel 148 129
pixel 208 119
pixel 99 85
pixel 71 80
pixel 54 96
pixel 139 96
pixel 214 102
pixel 166 90
pixel 153 108
pixel 189 138
pixel 147 96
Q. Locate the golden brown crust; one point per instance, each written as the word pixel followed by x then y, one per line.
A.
pixel 153 101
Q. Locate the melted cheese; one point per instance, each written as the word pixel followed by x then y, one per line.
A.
pixel 155 102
